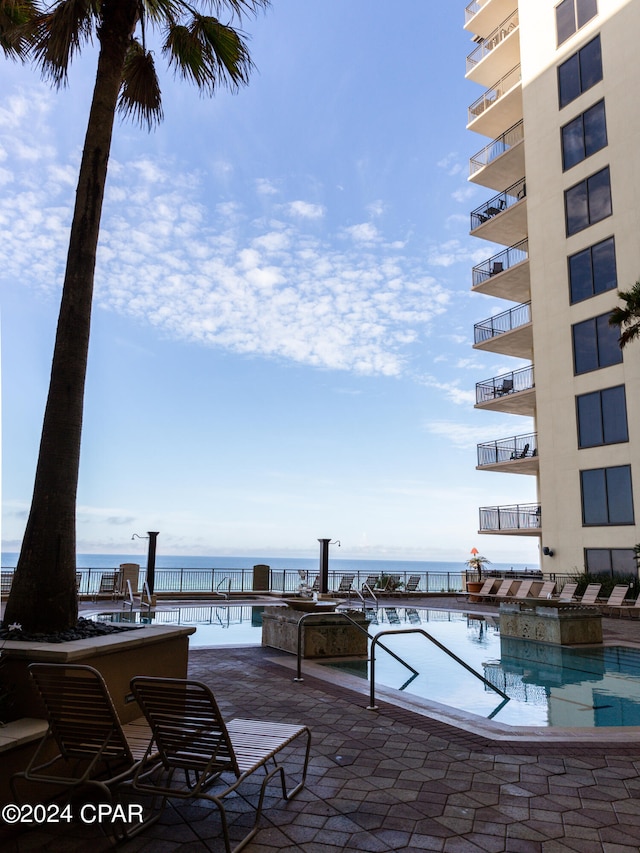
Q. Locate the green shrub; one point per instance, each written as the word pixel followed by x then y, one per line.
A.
pixel 608 582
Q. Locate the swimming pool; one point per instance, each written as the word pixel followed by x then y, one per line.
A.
pixel 547 685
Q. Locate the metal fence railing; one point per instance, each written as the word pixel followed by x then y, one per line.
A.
pixel 501 262
pixel 508 449
pixel 181 581
pixel 506 383
pixel 496 148
pixel 499 203
pixel 501 323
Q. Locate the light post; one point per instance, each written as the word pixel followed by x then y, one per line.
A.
pixel 324 563
pixel 152 536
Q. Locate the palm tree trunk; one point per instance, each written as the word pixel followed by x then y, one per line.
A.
pixel 43 595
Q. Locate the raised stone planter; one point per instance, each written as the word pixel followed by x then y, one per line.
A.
pixel 149 650
pixel 324 635
pixel 545 622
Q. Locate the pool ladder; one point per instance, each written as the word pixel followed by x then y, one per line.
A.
pixel 376 641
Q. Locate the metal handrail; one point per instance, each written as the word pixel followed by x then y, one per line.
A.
pixel 499 203
pixel 496 148
pixel 492 41
pixel 494 93
pixel 500 324
pixel 504 260
pixel 226 594
pixel 372 687
pixel 505 384
pixel 355 624
pixel 508 449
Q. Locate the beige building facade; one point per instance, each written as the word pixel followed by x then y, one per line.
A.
pixel 559 108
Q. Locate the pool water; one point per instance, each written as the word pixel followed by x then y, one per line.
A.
pixel 547 685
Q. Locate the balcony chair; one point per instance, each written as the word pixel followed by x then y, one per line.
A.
pixel 92 748
pixel 496 268
pixel 546 590
pixel 568 592
pixel 505 388
pixel 109 585
pixel 502 592
pixel 590 595
pixel 191 736
pixel 344 587
pixel 412 584
pixel 615 602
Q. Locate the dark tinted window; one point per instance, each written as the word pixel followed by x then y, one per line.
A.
pixel 595 344
pixel 592 271
pixel 588 202
pixel 602 417
pixel 583 136
pixel 580 72
pixel 610 560
pixel 606 496
pixel 573 14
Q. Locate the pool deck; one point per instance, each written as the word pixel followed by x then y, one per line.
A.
pixel 398 780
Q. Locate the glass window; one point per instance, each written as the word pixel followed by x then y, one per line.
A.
pixel 593 271
pixel 573 14
pixel 620 561
pixel 595 344
pixel 588 202
pixel 606 496
pixel 580 72
pixel 583 136
pixel 586 10
pixel 602 417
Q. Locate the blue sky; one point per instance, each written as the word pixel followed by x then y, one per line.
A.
pixel 281 342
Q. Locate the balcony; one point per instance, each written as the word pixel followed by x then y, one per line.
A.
pixel 518 455
pixel 509 333
pixel 502 219
pixel 505 275
pixel 498 51
pixel 483 16
pixel 513 393
pixel 520 519
pixel 501 162
pixel 500 106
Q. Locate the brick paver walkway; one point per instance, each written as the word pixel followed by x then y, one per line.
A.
pixel 393 780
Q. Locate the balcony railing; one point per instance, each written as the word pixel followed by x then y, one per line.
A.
pixel 508 449
pixel 511 79
pixel 518 517
pixel 493 40
pixel 505 384
pixel 501 323
pixel 473 9
pixel 500 262
pixel 496 148
pixel 498 204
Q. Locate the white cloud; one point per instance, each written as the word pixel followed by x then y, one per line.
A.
pixel 364 232
pixel 265 187
pixel 306 210
pixel 215 274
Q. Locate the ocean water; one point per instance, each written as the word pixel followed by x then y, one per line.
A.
pixel 336 564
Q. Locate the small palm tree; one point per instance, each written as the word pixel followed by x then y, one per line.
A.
pixel 476 562
pixel 199 48
pixel 627 317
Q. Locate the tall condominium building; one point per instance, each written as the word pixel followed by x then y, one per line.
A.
pixel 560 110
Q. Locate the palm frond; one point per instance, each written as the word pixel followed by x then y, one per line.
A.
pixel 209 53
pixel 238 8
pixel 140 96
pixel 16 17
pixel 61 33
pixel 627 317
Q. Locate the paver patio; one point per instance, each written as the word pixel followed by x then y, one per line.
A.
pixel 395 780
